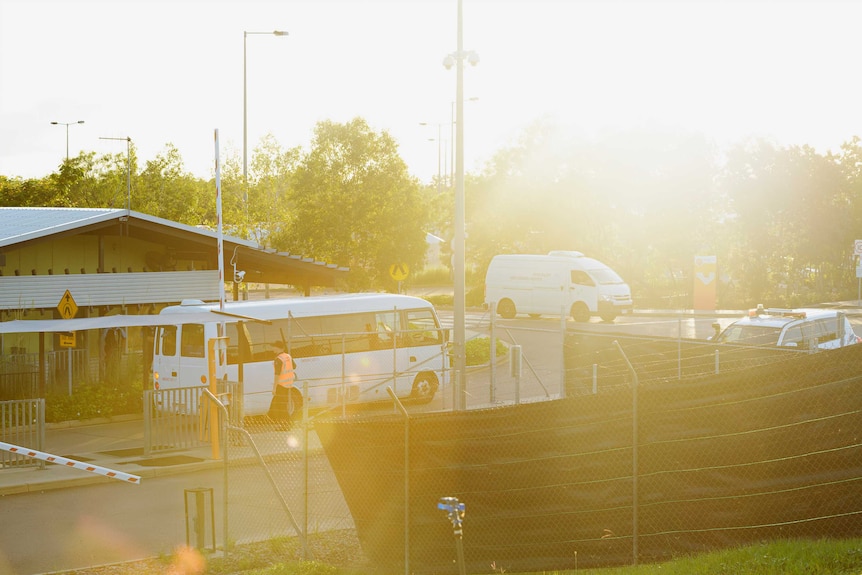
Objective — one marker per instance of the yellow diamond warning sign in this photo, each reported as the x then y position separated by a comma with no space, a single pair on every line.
67,306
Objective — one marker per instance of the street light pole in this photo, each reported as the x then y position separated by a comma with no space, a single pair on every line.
439,153
451,174
67,124
245,36
458,248
128,141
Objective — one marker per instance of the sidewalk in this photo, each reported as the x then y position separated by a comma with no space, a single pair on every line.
117,445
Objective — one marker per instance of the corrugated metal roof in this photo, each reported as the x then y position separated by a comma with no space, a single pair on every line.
35,292
20,225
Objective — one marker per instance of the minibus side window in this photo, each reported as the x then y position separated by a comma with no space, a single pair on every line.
581,278
193,340
423,329
238,343
169,340
387,326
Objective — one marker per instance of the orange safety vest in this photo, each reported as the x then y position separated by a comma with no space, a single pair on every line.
286,376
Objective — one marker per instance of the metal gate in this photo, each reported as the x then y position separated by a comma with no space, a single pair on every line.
174,420
22,423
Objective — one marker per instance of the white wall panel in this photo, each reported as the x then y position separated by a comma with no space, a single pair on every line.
45,291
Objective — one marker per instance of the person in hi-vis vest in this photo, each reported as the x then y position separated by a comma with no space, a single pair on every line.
286,400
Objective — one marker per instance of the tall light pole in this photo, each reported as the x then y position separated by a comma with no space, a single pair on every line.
245,36
459,336
128,141
67,124
451,176
439,155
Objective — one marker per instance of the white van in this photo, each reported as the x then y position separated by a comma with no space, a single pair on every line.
549,284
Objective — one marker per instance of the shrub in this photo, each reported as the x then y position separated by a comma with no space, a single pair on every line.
93,400
478,350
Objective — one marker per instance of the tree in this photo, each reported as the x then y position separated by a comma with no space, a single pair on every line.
166,190
641,201
270,180
353,203
793,219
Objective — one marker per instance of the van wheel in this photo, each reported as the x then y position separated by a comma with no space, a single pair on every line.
580,312
608,317
506,309
424,388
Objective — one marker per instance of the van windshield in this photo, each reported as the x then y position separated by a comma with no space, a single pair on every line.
606,276
750,335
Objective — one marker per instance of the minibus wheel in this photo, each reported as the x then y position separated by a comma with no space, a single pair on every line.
291,407
506,309
580,312
424,388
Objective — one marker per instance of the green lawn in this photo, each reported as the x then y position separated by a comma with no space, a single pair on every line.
337,554
842,557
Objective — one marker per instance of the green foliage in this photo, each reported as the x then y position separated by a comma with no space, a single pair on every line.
432,276
353,203
783,557
93,401
799,557
781,220
300,568
478,350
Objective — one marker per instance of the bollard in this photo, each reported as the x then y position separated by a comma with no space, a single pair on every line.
515,370
455,513
198,518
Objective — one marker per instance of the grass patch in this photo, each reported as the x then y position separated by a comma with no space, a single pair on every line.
339,553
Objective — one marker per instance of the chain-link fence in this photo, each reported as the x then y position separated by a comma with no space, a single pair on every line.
666,458
602,450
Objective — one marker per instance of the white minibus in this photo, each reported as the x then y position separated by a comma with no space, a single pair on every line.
348,348
561,282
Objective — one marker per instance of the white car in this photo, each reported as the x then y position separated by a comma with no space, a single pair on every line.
804,328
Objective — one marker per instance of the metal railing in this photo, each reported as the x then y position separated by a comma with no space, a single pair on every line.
174,420
22,423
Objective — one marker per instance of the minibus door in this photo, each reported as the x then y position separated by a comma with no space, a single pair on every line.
165,359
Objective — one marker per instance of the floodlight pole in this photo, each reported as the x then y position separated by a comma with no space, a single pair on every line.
128,141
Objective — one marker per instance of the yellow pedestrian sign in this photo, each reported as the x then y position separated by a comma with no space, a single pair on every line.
399,272
67,306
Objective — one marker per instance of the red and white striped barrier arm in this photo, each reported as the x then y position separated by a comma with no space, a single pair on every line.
119,475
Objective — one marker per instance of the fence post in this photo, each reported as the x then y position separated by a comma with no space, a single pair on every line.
401,408
149,398
492,308
305,554
563,352
515,370
634,454
679,348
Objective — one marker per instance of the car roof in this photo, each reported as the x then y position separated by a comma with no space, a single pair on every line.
780,318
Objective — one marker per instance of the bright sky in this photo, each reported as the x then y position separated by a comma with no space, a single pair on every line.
173,72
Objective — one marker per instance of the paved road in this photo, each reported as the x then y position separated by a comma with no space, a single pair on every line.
112,522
